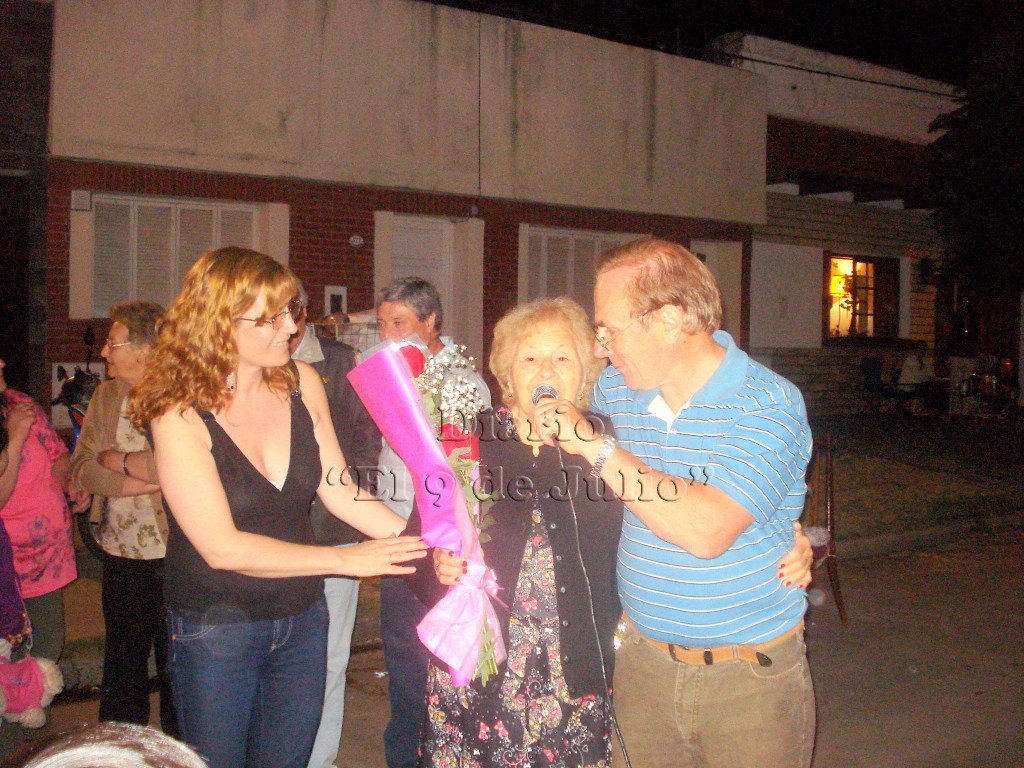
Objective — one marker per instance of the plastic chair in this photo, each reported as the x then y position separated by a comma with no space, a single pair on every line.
820,518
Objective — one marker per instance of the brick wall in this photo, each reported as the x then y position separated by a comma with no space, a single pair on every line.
323,216
829,378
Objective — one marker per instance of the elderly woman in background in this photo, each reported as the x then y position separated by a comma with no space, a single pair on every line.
114,462
553,550
34,483
243,440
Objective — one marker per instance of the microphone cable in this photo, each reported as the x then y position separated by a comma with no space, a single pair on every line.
546,390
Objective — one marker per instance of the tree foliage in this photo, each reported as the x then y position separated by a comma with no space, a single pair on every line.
977,173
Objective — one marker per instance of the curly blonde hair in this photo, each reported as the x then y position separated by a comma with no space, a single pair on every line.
195,350
538,314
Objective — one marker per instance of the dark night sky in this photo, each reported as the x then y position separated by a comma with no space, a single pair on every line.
932,38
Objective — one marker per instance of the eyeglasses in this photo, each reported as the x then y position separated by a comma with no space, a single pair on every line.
604,336
115,344
294,308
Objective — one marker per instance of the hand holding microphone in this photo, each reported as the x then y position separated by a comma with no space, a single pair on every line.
543,390
557,421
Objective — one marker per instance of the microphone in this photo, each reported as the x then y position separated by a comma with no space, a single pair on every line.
543,390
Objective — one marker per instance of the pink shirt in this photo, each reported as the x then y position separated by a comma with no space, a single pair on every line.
36,516
23,684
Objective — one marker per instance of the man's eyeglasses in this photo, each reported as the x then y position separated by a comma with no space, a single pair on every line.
115,344
293,308
604,336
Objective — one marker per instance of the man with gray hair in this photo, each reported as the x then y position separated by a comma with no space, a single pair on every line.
409,307
360,442
710,460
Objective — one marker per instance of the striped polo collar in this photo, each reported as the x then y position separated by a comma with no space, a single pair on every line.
726,379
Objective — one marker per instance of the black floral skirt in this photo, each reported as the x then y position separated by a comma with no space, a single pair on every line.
524,717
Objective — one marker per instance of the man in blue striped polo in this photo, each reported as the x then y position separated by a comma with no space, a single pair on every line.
710,461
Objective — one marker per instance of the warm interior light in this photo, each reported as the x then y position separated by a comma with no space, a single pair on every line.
838,285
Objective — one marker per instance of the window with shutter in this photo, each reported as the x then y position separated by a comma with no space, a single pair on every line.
111,281
195,233
143,246
561,262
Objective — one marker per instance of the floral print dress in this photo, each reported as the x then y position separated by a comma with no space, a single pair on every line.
524,717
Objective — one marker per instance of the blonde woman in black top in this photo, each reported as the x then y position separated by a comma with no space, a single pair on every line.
243,440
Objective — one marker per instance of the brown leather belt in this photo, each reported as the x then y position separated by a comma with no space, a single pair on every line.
755,654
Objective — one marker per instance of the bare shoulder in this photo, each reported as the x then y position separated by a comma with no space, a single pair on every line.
312,388
307,374
179,428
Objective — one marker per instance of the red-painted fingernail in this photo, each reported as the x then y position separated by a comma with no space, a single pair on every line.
450,553
787,583
458,579
465,569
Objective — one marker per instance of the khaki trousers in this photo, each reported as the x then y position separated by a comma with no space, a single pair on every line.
734,714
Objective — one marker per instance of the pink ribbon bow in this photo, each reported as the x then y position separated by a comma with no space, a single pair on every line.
453,629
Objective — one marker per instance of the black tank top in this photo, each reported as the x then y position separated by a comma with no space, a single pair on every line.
257,506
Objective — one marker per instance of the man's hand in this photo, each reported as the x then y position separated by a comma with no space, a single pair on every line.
559,421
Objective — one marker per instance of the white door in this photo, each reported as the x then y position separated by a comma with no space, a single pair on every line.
725,260
446,253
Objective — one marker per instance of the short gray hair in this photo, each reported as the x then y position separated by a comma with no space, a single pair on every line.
418,294
141,318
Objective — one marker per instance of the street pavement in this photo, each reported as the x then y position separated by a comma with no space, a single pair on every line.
928,673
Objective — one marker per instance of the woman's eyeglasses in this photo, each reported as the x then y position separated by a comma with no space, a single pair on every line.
293,308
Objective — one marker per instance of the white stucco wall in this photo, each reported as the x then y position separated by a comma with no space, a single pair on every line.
406,94
818,87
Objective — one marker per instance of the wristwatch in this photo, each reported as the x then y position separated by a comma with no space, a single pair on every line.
602,456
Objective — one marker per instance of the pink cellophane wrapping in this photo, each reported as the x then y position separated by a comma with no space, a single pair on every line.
453,629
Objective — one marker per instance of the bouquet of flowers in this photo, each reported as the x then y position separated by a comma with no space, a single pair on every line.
426,412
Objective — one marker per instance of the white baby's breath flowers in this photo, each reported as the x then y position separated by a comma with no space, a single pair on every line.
456,399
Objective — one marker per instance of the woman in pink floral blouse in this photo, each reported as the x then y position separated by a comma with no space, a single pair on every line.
38,521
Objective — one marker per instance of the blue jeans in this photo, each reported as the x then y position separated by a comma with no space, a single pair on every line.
249,694
406,660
